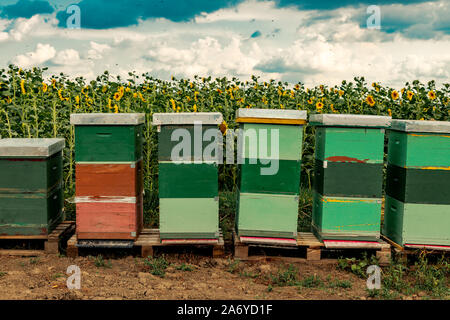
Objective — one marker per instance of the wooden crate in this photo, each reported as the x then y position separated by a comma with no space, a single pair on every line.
109,177
313,245
150,238
188,191
348,175
52,242
269,183
31,194
417,209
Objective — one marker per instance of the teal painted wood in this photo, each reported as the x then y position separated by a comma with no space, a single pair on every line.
286,180
342,144
267,215
413,223
406,149
363,180
178,180
188,218
168,132
30,175
103,143
30,214
289,143
346,218
412,185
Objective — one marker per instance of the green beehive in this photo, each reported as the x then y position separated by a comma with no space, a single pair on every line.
417,209
269,158
189,149
348,176
31,194
95,133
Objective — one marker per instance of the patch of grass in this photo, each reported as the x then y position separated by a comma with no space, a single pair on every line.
184,267
357,266
313,281
2,274
246,274
233,265
285,277
157,266
34,260
269,288
432,278
99,262
57,275
344,284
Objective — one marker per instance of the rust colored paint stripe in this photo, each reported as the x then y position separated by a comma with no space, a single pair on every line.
345,159
271,120
109,180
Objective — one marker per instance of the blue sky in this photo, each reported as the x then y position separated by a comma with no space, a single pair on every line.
291,40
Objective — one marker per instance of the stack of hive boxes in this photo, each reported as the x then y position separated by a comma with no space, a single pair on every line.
417,210
348,176
109,177
31,193
188,155
269,179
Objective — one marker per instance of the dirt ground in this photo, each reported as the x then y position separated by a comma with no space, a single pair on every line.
129,278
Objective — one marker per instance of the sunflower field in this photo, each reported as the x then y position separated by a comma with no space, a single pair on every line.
33,106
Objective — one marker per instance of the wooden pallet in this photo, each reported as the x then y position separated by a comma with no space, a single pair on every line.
402,252
148,239
52,242
304,239
383,248
314,246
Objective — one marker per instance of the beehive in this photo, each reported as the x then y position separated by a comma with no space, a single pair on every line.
188,177
348,175
417,209
108,173
268,198
31,194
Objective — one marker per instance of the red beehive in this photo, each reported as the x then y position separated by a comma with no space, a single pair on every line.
109,178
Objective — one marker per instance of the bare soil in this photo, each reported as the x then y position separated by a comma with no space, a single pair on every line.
129,278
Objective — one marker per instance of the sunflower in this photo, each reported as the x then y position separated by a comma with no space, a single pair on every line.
116,109
104,89
117,96
194,108
297,87
319,106
432,95
390,112
223,127
394,95
370,100
409,95
44,87
22,86
310,101
341,93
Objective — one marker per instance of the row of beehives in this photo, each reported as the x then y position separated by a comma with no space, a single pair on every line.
348,178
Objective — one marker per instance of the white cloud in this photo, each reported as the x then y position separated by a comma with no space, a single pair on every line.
314,47
67,57
43,53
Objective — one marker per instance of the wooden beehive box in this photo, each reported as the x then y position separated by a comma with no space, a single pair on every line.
109,176
269,183
31,194
188,185
348,175
418,183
